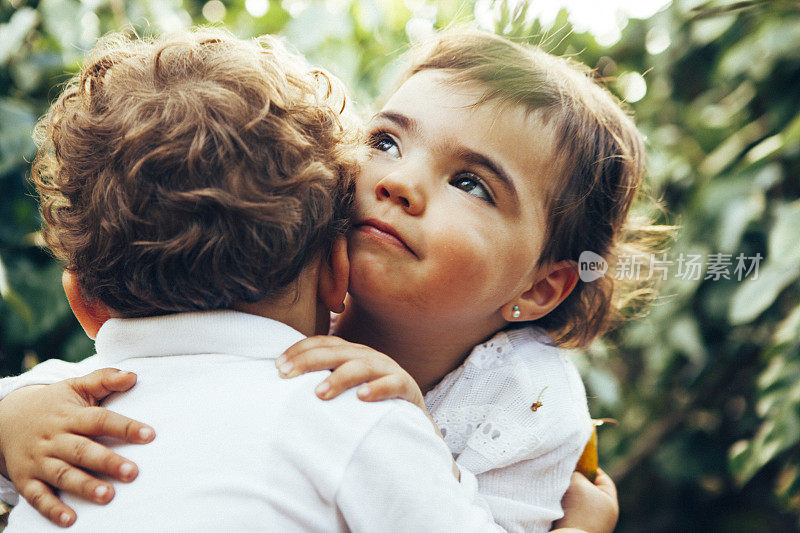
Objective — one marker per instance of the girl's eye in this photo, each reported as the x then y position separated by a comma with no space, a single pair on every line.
472,184
384,142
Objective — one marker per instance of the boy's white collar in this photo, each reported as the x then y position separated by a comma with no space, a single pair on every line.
209,332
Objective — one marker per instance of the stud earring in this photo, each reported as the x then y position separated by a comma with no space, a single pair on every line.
515,311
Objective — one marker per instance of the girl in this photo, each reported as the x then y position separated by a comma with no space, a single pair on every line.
492,168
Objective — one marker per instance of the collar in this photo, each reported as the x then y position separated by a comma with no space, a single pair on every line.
209,332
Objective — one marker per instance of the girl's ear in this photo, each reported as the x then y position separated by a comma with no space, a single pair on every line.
91,314
334,277
553,285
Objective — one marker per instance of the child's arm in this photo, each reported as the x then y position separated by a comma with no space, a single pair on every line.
43,433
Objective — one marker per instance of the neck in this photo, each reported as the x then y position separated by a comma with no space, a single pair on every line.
428,353
298,308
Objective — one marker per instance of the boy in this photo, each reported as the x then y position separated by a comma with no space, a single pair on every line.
197,189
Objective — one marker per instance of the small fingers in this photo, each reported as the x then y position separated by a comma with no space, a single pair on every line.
96,386
347,376
605,483
321,353
391,386
317,341
68,478
100,422
42,498
312,359
90,455
579,483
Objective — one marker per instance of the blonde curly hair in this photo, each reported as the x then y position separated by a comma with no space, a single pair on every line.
193,171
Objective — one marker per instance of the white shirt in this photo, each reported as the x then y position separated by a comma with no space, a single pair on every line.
522,453
239,449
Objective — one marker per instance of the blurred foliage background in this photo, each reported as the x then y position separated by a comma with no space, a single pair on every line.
707,387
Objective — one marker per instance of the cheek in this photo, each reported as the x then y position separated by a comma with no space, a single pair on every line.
373,276
489,267
465,274
472,272
460,265
368,175
385,285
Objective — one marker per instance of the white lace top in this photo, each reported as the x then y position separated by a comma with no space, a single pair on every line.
515,415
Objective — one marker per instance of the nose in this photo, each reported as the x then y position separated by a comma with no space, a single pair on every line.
402,190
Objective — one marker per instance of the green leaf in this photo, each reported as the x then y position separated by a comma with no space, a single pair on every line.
61,20
13,33
733,147
12,299
40,288
782,247
77,347
781,268
709,29
167,16
789,328
781,431
603,385
779,408
755,54
735,219
755,295
16,125
781,142
789,484
684,335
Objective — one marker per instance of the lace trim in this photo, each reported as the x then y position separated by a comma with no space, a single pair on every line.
486,430
491,354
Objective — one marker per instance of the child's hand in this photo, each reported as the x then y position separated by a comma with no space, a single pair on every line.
42,442
590,507
352,365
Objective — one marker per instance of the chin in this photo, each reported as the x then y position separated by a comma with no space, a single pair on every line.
370,272
376,292
366,283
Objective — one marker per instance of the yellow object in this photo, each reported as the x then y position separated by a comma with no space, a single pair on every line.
588,462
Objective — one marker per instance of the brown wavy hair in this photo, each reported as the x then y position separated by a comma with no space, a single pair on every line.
601,166
193,171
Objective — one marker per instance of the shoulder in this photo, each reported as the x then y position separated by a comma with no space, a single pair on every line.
320,438
516,397
342,423
48,372
546,365
356,439
558,406
516,367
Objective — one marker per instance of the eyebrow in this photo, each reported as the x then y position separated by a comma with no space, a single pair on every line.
475,158
470,156
403,121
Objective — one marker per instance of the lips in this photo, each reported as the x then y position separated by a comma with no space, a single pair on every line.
380,231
